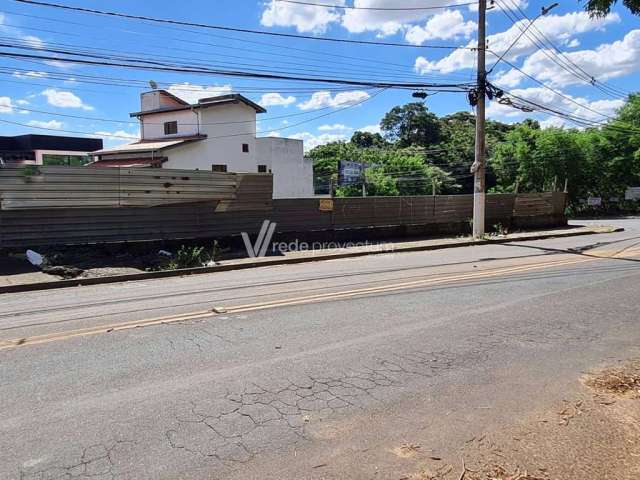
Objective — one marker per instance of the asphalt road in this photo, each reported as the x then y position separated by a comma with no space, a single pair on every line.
307,371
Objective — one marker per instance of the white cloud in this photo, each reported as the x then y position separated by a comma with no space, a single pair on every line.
60,64
306,18
444,26
553,122
610,60
385,22
573,43
275,99
317,19
498,6
33,41
324,99
30,74
51,124
577,106
118,133
370,129
6,106
310,140
557,28
192,93
333,128
116,138
510,78
22,102
60,98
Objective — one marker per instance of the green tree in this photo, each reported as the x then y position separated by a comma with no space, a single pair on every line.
601,161
411,124
601,8
614,151
367,140
393,173
512,159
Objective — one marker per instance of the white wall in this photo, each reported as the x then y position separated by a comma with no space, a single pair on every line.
233,125
292,173
152,125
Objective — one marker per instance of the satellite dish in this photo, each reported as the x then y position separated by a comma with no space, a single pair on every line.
153,85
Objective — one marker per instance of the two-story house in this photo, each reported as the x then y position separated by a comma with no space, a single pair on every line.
216,134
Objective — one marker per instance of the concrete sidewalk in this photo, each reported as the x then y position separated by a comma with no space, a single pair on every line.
40,281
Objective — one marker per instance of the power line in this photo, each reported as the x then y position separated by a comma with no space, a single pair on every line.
558,57
544,85
133,122
565,58
393,9
306,59
29,74
543,12
581,121
288,48
93,134
73,49
99,60
231,29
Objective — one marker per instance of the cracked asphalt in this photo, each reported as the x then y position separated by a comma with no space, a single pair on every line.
316,390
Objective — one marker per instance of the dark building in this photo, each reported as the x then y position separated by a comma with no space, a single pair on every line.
47,150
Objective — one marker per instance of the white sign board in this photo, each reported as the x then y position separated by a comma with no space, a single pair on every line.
632,193
594,201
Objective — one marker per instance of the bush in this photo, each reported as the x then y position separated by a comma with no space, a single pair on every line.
193,256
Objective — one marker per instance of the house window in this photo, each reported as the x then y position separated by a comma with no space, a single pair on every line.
66,160
262,169
245,148
170,128
218,168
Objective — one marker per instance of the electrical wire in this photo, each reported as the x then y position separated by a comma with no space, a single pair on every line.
100,60
558,57
110,54
288,48
560,94
578,120
565,58
75,77
516,40
393,9
208,137
135,122
306,67
230,29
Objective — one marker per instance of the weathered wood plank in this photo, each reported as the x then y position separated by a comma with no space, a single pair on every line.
81,187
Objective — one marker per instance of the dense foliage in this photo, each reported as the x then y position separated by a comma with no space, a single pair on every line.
418,153
601,8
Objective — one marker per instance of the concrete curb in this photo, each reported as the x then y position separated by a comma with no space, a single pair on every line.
270,261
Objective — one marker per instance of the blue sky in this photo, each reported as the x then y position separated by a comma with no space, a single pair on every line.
80,98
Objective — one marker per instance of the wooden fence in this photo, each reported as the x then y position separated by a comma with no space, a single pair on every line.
58,187
302,218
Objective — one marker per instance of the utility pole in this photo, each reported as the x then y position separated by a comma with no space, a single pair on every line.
478,167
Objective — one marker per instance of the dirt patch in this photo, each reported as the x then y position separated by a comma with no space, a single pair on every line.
623,380
406,450
103,260
594,436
